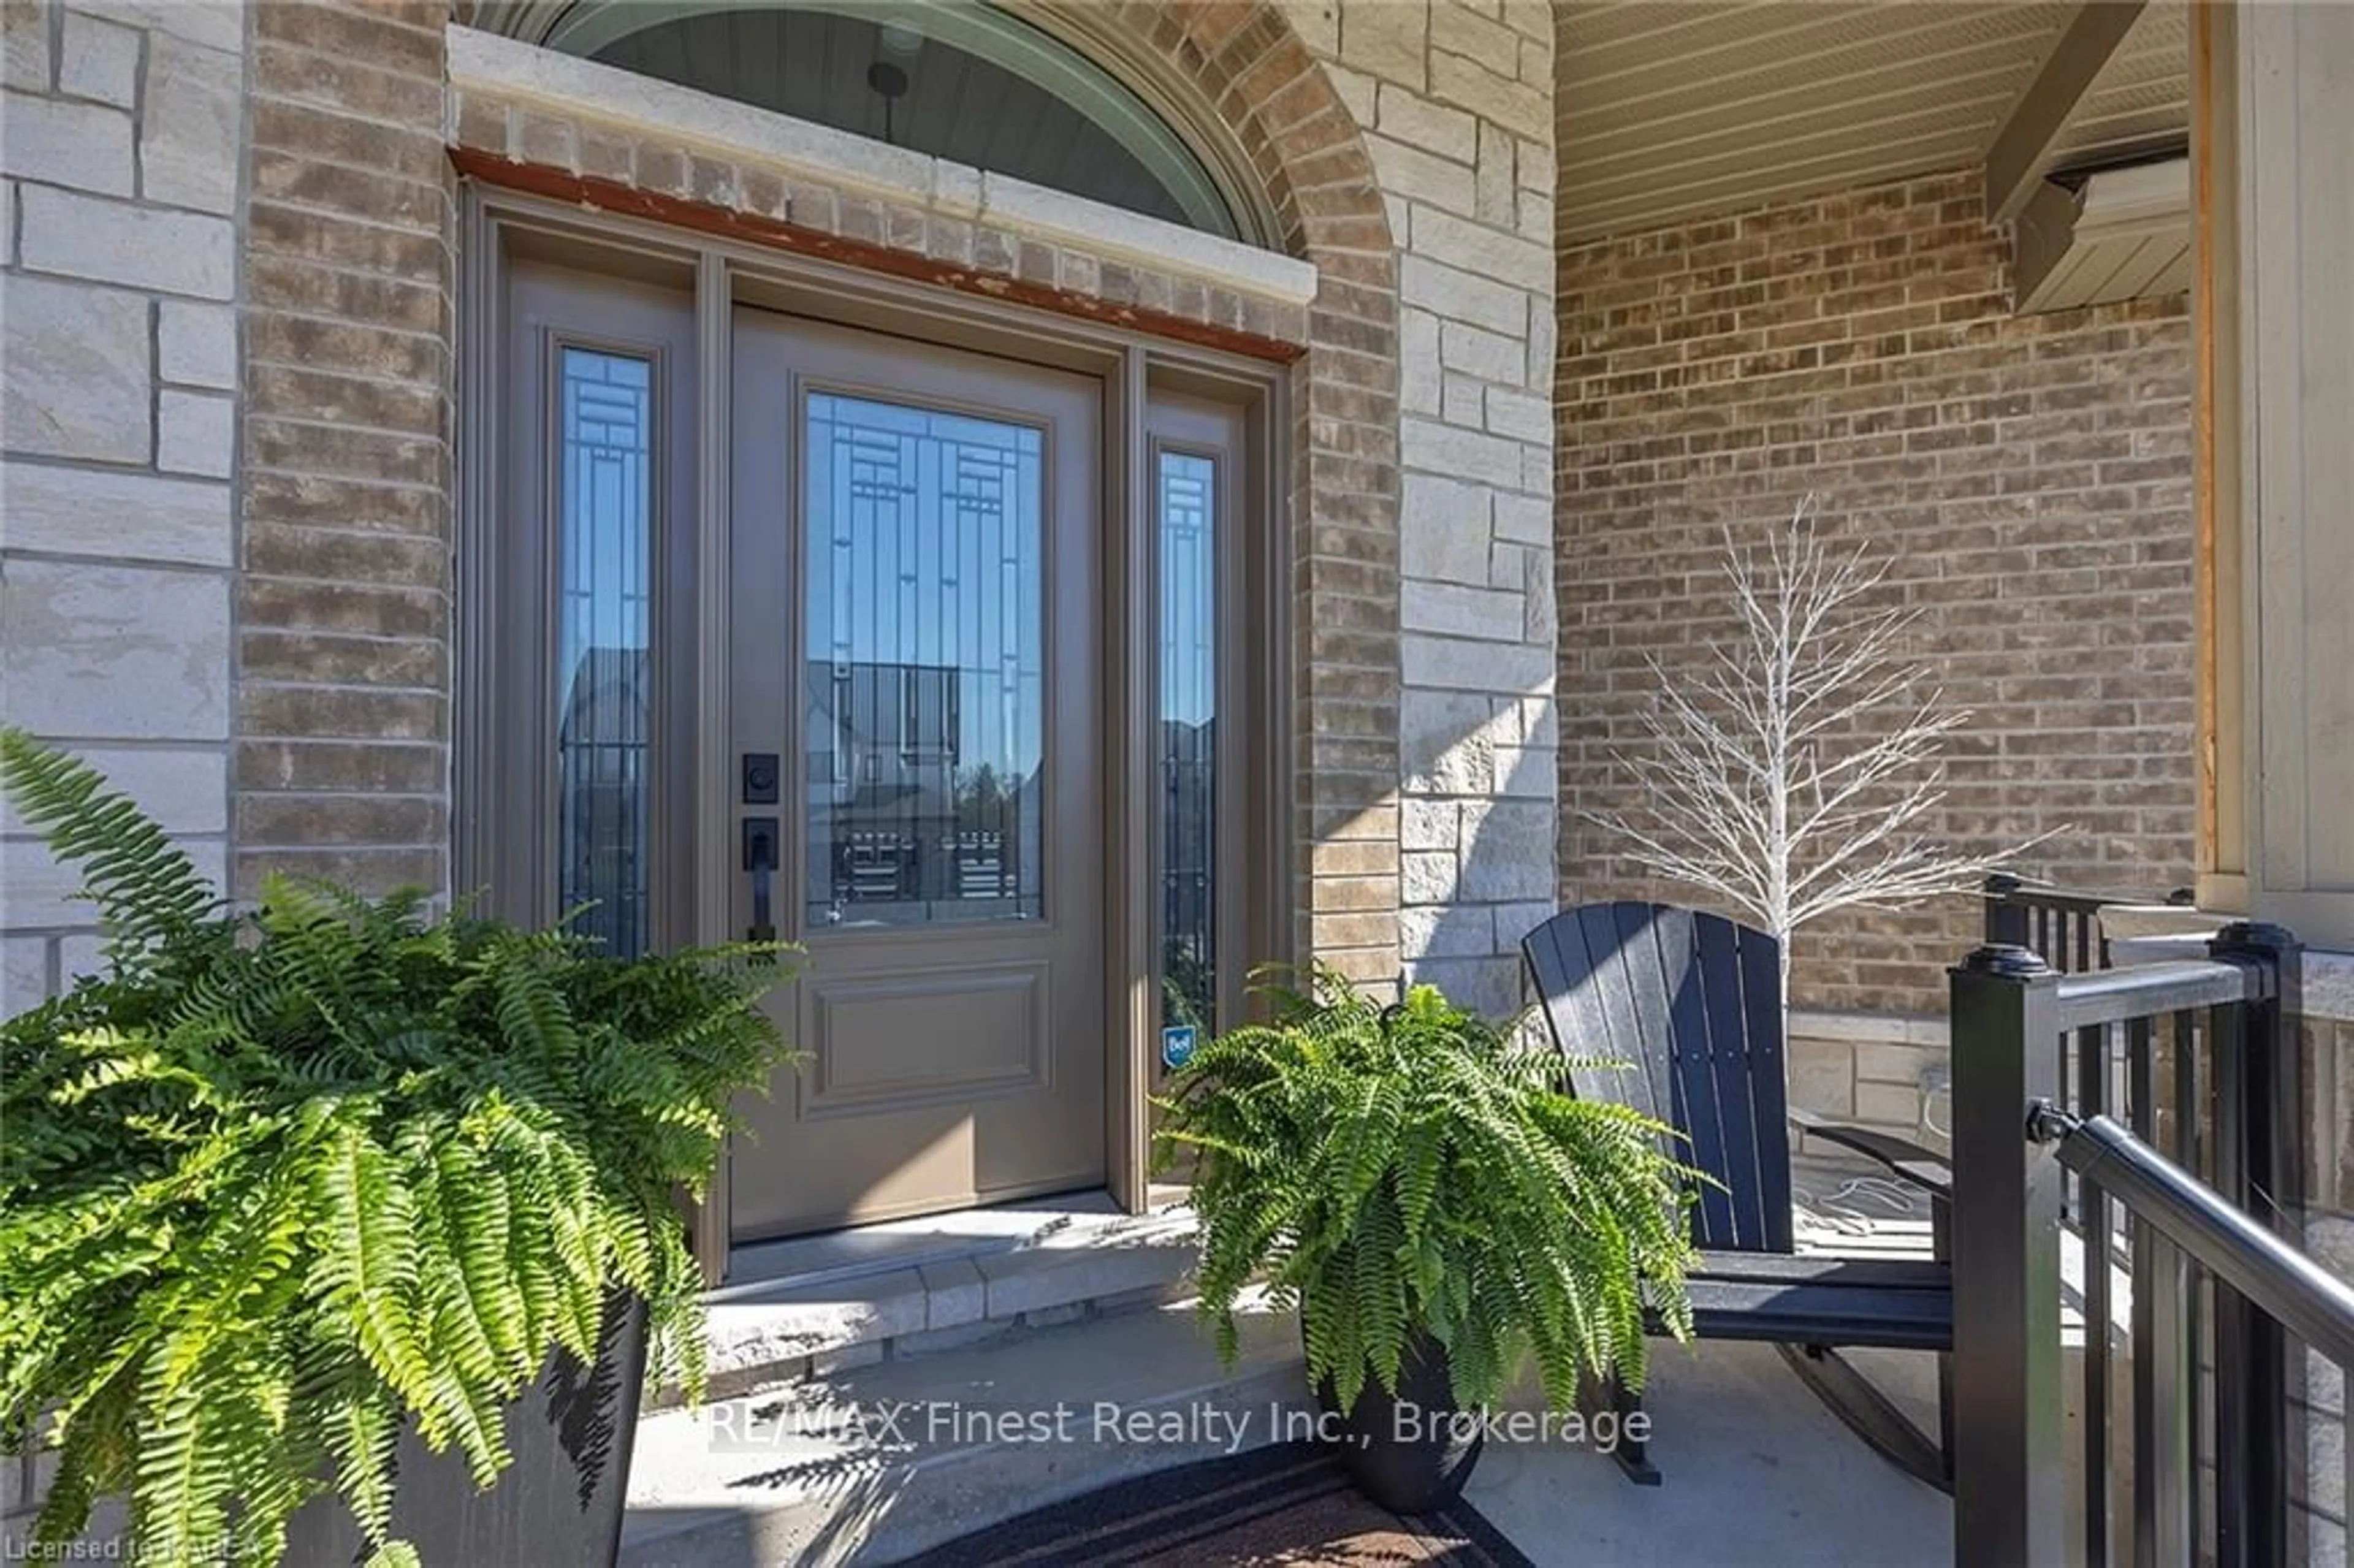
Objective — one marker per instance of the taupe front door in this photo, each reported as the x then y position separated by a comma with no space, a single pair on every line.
916,647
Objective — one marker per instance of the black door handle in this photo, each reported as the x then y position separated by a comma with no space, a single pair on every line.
760,860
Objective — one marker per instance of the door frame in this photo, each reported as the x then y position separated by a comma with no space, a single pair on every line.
1256,839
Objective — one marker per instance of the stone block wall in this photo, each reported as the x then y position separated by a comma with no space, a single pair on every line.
1454,101
120,179
1887,1072
2029,477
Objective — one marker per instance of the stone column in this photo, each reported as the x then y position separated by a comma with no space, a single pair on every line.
121,130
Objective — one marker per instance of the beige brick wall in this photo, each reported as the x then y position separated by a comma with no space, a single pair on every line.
344,593
2029,475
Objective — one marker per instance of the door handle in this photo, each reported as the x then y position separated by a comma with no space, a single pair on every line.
760,860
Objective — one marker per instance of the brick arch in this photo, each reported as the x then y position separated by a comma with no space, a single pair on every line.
1251,79
1257,102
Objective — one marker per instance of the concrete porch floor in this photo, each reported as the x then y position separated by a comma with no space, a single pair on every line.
856,1469
1757,1473
877,1461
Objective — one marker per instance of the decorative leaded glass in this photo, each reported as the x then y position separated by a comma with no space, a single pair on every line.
604,547
926,665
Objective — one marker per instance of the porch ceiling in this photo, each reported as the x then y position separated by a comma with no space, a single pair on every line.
1674,110
2141,100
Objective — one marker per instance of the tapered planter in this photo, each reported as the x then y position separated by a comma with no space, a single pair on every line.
558,1505
1411,1452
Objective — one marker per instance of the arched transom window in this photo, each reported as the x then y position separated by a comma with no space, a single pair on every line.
955,78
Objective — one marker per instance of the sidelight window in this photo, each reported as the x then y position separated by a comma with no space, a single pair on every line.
604,508
1187,538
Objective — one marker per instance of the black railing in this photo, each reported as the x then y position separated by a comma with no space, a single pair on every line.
2168,1090
2062,928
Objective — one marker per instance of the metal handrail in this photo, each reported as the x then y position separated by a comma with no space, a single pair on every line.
2207,1052
2061,924
2288,1286
2144,991
2005,887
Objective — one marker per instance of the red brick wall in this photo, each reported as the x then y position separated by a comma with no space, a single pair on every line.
2030,475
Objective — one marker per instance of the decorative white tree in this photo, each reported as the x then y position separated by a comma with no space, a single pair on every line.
1794,774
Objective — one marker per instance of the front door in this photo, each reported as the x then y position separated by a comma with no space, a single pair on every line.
915,695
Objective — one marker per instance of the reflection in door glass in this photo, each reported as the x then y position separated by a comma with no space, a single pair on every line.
604,501
1188,531
926,667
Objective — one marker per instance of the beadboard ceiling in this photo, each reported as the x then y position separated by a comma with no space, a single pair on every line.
1668,109
812,65
2141,102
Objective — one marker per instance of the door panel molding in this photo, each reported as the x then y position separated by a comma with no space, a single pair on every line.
1023,987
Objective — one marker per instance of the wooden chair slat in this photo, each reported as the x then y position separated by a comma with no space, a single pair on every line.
1839,1315
1717,948
1761,1002
1720,1219
1603,990
1826,1268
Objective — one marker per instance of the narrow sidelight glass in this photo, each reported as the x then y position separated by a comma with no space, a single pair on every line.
926,665
604,495
1187,489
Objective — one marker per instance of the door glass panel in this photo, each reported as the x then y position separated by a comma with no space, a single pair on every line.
1188,661
926,665
604,505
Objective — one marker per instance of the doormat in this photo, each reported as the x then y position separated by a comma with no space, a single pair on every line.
1289,1503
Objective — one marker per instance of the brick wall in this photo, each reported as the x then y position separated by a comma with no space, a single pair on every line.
344,597
2029,475
118,141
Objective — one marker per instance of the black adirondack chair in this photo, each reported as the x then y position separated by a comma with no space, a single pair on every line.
1691,1002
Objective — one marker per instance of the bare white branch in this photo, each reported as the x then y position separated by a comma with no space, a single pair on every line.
1794,773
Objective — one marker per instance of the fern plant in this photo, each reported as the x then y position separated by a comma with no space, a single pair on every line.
1400,1170
284,1181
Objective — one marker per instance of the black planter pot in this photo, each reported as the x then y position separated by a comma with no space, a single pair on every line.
1410,1452
558,1505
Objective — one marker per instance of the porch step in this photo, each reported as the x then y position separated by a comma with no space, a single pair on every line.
884,1462
1053,1266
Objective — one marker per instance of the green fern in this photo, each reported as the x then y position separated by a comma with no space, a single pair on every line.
1404,1170
282,1182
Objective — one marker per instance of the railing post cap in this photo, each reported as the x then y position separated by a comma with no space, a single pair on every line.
2008,960
2251,935
2003,882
